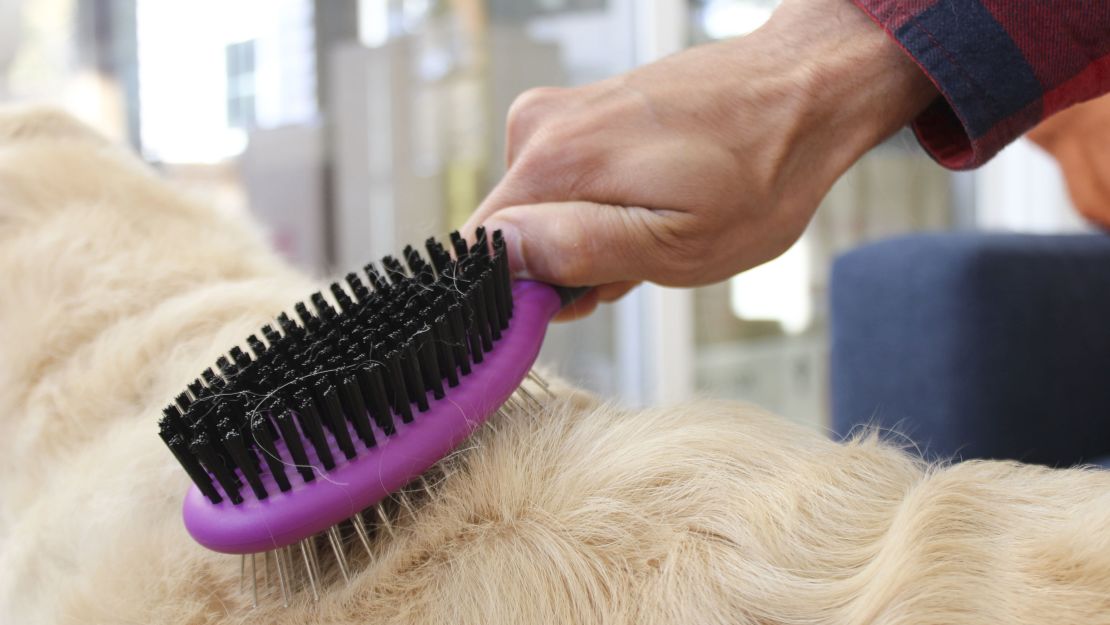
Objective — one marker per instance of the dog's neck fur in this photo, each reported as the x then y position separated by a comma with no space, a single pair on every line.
115,291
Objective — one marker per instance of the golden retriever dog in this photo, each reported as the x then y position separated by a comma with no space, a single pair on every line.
115,290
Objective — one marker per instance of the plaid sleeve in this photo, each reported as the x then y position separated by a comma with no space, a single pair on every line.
1001,65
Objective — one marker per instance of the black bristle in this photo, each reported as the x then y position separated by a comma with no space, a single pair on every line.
481,315
307,318
341,298
350,397
459,337
501,263
474,331
205,450
262,433
372,382
323,307
425,346
376,280
414,378
426,276
173,421
226,367
271,334
492,311
398,390
233,443
394,270
353,362
413,260
461,250
313,427
481,243
327,398
294,443
183,401
437,254
288,326
477,297
257,346
188,461
240,357
447,365
197,389
361,293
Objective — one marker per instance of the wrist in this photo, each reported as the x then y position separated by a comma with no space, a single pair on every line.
856,85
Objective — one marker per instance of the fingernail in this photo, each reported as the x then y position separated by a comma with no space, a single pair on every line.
514,246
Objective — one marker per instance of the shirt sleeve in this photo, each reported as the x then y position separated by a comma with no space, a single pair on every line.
1001,66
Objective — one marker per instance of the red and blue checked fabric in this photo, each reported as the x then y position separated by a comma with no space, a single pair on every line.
1001,65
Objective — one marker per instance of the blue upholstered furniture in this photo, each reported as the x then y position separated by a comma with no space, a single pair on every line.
977,345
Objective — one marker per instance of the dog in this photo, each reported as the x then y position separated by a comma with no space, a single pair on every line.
116,290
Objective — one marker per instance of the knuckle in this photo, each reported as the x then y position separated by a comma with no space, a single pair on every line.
526,108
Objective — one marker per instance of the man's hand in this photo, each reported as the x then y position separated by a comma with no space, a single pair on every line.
709,162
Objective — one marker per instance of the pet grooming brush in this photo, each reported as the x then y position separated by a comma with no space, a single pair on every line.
297,445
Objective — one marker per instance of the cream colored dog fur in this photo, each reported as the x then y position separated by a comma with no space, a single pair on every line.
115,291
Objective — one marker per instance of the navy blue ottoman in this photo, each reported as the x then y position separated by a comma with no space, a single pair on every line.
976,345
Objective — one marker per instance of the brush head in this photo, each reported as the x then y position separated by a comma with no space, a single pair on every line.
337,407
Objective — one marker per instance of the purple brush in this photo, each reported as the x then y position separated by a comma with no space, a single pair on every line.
299,440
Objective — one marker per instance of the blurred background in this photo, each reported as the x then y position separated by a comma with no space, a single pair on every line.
352,127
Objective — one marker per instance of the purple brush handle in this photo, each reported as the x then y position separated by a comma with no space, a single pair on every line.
285,518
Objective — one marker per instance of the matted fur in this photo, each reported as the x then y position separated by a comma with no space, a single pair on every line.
115,290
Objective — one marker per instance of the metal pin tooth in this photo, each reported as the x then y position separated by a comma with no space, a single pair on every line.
291,566
542,383
242,572
521,400
385,521
309,571
530,397
537,378
404,501
314,556
266,571
337,548
363,535
291,555
281,578
254,583
427,487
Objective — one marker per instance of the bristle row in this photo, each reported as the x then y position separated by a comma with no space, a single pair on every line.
330,380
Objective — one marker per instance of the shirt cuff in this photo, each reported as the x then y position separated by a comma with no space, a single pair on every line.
990,95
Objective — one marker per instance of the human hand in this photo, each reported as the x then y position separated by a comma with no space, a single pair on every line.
709,162
1079,138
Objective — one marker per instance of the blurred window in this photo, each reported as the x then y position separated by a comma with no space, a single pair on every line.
241,85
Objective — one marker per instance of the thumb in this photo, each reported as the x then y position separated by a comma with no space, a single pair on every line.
577,243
